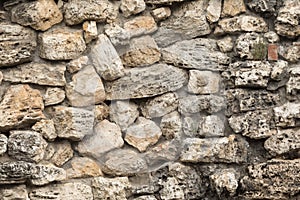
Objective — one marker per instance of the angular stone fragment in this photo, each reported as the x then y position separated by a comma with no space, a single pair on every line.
285,141
287,115
293,52
203,82
275,179
293,84
83,167
132,7
272,37
198,53
117,35
86,88
279,70
61,44
17,44
72,123
171,126
141,25
106,136
124,162
211,126
21,106
146,82
263,6
225,44
63,153
146,197
106,59
46,128
37,73
162,1
78,11
111,188
214,10
123,113
54,96
3,144
161,13
160,105
90,31
101,112
142,51
225,181
14,192
233,7
142,134
39,15
231,149
75,191
77,64
171,190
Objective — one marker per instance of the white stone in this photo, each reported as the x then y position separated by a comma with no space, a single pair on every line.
203,82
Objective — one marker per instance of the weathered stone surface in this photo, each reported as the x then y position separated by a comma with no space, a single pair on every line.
214,10
101,112
83,167
279,70
287,115
140,25
72,123
225,181
171,190
61,44
285,141
145,197
63,153
275,179
132,7
142,51
146,82
106,59
123,113
203,82
190,125
293,84
3,144
14,192
255,124
40,15
211,126
233,7
124,162
161,13
225,44
292,53
160,105
77,64
77,11
111,188
46,128
37,73
26,145
86,88
75,191
198,53
162,1
231,149
171,126
117,35
287,22
267,7
90,31
54,96
21,105
17,44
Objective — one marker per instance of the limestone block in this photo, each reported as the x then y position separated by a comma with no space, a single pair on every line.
46,128
63,153
83,167
263,6
203,82
140,25
171,190
132,7
90,31
171,126
225,44
293,84
54,96
161,13
117,35
225,181
43,174
101,112
214,10
211,126
293,52
77,64
3,144
279,70
146,197
272,36
233,7
162,1
14,192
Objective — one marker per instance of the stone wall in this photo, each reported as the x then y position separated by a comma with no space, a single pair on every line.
149,99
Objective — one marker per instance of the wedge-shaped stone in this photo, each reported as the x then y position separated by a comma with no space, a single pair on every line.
198,53
287,115
231,149
72,123
37,73
17,44
146,82
40,15
21,106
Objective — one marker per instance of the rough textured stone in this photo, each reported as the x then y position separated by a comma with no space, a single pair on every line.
124,162
231,149
293,84
142,51
272,37
214,10
225,44
146,82
54,96
63,153
83,167
170,125
117,35
111,188
267,7
225,181
75,191
146,197
132,7
287,115
254,124
101,112
106,59
211,126
198,53
285,141
37,73
142,134
3,144
86,88
46,128
292,53
140,25
106,136
21,105
162,1
233,7
14,192
160,105
171,190
61,44
90,31
203,82
161,13
40,15
123,113
77,11
72,123
26,146
279,70
17,44
77,64
275,179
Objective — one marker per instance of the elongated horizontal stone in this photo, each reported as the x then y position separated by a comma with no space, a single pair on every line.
146,82
14,192
162,1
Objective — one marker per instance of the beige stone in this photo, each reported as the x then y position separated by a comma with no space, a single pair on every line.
46,128
54,95
77,64
203,82
225,44
117,35
3,144
212,126
90,31
170,125
140,25
287,114
63,153
101,112
233,7
83,167
293,84
11,192
225,180
214,10
171,189
161,13
132,7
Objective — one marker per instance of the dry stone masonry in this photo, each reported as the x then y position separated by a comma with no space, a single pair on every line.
149,99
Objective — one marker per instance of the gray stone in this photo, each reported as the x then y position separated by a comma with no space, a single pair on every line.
160,105
132,7
225,181
37,73
61,44
200,53
14,192
40,15
225,44
146,82
140,25
117,35
63,153
3,144
287,114
145,197
190,125
106,59
17,44
271,36
214,10
77,64
231,149
161,13
43,174
162,1
72,123
293,84
171,126
263,6
203,82
54,96
211,126
46,128
106,136
83,167
86,88
90,31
